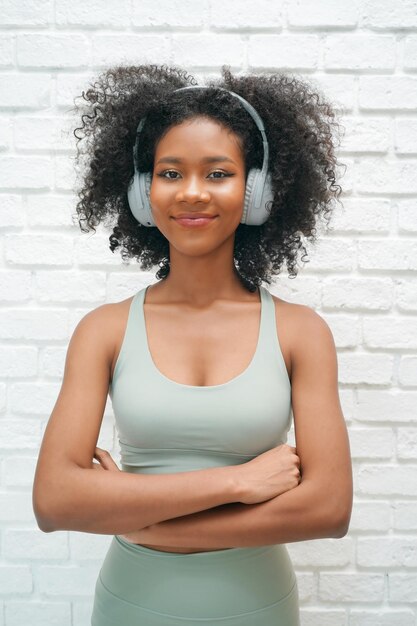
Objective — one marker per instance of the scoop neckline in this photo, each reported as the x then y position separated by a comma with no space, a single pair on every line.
206,387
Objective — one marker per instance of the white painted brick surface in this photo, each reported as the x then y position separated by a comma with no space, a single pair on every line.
38,613
361,277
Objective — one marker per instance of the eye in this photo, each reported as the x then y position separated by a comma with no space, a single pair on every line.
163,174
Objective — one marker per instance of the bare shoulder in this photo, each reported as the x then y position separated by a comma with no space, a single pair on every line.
298,328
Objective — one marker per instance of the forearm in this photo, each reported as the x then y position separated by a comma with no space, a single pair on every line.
296,515
104,502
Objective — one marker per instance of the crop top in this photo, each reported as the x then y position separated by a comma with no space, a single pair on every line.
165,427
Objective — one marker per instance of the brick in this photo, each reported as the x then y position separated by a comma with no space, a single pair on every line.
324,13
66,580
410,53
345,329
332,255
402,587
407,218
392,254
340,90
360,52
50,210
18,361
81,612
33,398
387,92
26,13
5,137
406,295
16,507
407,373
382,14
387,176
15,285
322,552
405,136
15,579
53,361
390,332
95,251
113,49
317,617
306,586
370,134
34,545
19,433
374,515
407,443
85,546
38,249
371,369
187,14
19,471
95,13
122,285
38,613
35,324
32,172
378,405
379,618
11,212
388,480
208,49
405,515
358,293
70,286
43,133
65,174
6,51
283,51
53,50
2,397
25,91
386,552
371,443
234,14
334,587
68,87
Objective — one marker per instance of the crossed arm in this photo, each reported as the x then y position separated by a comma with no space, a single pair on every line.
320,506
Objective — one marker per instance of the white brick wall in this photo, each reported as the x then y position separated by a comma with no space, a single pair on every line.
361,278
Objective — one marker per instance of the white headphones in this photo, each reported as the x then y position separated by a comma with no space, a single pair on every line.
258,191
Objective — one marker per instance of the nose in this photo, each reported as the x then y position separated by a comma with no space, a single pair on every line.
192,190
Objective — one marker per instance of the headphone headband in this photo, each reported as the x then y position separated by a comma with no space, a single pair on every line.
258,193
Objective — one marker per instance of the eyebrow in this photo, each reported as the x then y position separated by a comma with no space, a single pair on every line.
209,159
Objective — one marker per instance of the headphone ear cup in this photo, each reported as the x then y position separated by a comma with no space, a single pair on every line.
145,181
138,194
255,212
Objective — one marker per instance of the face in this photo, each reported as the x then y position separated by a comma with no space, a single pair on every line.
198,168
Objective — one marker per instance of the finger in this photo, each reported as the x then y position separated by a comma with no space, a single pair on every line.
105,459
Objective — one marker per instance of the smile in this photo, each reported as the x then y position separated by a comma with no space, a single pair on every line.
195,222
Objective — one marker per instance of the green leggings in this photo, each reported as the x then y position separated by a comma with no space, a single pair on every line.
139,586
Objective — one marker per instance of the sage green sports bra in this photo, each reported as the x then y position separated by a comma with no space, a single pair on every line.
166,427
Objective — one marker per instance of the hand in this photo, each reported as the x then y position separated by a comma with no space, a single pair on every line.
105,461
269,474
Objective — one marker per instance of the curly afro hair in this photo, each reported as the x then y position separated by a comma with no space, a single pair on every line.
300,127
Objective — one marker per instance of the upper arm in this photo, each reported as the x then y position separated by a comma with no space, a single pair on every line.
320,432
73,427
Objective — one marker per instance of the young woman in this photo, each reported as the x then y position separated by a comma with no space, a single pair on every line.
205,367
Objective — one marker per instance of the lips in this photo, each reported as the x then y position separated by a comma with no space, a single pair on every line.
193,216
195,222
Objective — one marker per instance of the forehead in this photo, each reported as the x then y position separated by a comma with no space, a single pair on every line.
200,135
